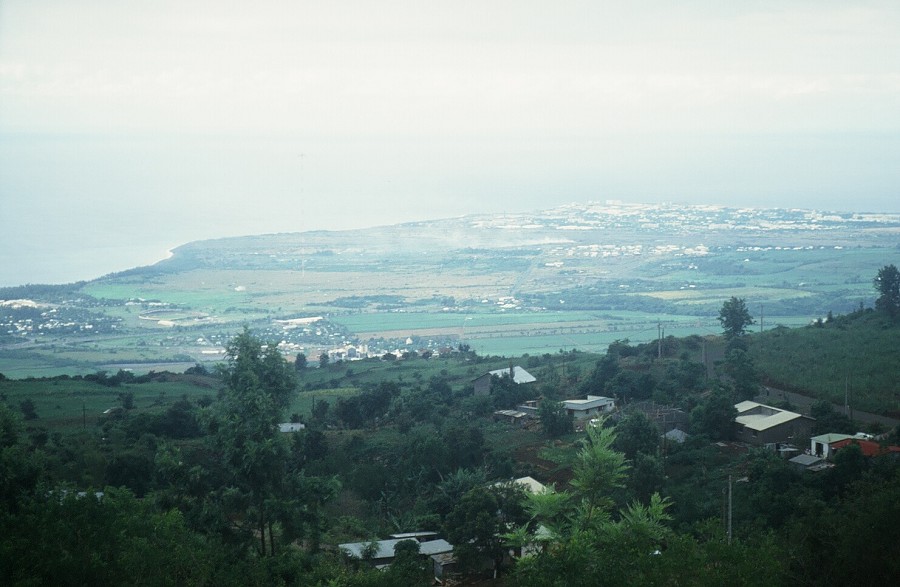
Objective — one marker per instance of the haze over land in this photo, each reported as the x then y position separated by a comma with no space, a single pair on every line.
575,276
128,129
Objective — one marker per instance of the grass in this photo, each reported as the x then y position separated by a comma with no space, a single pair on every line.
65,405
856,353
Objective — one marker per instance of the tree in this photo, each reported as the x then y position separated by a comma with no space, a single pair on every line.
605,369
323,360
647,477
598,470
476,524
828,420
887,282
300,363
28,410
555,420
636,434
258,384
734,317
715,414
739,366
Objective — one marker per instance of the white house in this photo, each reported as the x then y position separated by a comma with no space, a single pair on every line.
582,409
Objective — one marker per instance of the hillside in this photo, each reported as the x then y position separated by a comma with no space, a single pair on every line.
852,357
404,444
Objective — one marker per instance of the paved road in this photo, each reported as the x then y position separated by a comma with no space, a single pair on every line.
804,402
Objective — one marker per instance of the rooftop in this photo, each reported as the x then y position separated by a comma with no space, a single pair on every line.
520,375
760,417
869,448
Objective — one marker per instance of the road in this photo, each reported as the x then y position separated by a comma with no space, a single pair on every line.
804,402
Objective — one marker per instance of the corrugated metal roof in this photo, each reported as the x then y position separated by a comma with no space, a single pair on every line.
756,416
385,548
830,437
805,460
432,547
520,375
763,422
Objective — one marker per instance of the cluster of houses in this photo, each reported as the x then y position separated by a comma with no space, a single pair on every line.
580,409
786,431
756,424
381,553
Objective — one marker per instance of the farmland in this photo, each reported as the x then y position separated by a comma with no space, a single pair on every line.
579,276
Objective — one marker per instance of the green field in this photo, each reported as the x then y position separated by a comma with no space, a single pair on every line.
64,405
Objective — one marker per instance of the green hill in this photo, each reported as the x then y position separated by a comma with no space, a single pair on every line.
856,353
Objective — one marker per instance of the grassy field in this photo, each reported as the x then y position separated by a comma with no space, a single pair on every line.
65,405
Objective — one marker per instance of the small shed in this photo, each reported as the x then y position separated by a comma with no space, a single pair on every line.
821,445
512,416
805,462
443,565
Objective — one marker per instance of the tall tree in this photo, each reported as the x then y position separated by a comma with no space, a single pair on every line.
599,469
258,384
477,523
887,282
734,317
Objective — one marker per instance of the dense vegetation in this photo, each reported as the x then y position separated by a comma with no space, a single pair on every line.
199,487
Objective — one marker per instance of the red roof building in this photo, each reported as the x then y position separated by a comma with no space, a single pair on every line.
868,447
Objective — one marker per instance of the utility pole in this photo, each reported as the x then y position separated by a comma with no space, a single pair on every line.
658,339
847,395
705,364
729,510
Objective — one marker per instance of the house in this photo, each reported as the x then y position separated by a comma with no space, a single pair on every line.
869,448
761,424
381,552
594,405
482,384
821,445
535,487
579,409
291,427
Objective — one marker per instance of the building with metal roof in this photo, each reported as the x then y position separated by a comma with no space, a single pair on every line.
761,424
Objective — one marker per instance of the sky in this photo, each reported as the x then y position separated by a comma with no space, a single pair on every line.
128,128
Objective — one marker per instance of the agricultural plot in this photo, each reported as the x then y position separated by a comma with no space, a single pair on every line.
577,277
65,405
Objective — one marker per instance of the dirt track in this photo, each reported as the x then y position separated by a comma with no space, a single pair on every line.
803,402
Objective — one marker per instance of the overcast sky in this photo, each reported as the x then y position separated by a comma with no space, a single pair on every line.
128,127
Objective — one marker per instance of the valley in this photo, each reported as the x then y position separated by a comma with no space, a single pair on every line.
574,277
